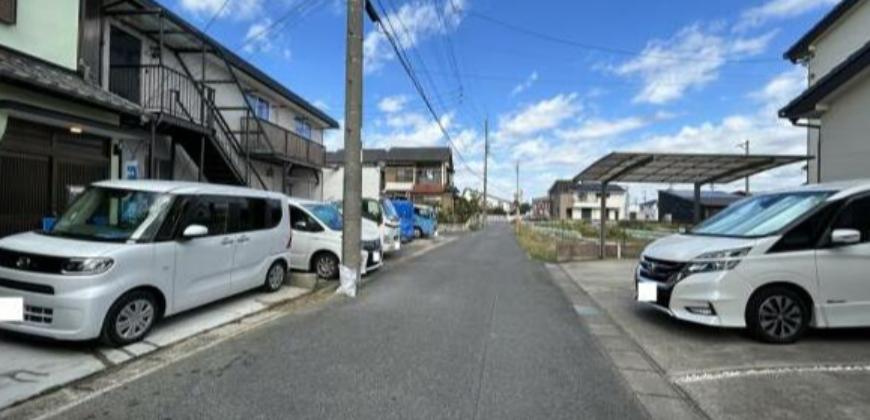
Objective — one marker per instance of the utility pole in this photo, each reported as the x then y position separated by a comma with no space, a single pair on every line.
352,203
485,164
745,147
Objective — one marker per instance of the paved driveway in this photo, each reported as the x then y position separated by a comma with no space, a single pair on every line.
826,375
471,330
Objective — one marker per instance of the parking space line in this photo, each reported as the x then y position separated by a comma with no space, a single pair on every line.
787,370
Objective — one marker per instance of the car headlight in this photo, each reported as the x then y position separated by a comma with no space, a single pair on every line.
715,261
87,266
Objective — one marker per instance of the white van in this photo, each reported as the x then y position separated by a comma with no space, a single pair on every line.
775,263
127,253
317,232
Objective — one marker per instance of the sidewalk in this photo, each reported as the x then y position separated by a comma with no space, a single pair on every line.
32,366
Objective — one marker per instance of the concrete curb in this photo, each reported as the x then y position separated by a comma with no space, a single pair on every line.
661,398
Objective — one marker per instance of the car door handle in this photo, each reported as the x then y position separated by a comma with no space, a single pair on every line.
243,239
227,241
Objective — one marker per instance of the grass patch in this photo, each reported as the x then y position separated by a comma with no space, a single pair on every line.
538,246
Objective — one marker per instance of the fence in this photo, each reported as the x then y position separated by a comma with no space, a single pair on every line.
579,240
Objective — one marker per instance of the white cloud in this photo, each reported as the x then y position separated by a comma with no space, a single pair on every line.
412,23
688,61
597,128
287,53
393,104
779,9
257,39
321,105
535,118
238,9
526,84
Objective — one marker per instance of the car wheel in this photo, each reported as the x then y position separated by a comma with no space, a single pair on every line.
778,315
418,233
275,278
326,265
130,319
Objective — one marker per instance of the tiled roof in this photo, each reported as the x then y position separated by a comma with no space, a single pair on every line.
19,68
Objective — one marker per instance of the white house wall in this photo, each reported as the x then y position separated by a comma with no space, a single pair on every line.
333,183
840,41
845,149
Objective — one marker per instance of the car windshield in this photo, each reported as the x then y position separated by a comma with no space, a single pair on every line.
762,215
327,214
389,210
113,215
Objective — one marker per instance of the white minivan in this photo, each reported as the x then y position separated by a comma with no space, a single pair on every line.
128,253
317,234
776,264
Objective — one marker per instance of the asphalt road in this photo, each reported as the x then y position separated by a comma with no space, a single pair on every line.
472,330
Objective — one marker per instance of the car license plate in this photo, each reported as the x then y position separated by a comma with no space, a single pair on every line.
376,257
647,292
11,309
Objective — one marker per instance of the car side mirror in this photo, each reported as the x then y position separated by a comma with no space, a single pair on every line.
194,231
845,237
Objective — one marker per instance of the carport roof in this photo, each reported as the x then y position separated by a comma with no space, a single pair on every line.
681,168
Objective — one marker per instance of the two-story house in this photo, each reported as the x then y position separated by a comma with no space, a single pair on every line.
128,89
570,201
587,202
834,107
421,174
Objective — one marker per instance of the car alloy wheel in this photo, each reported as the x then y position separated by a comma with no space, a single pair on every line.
275,277
326,266
135,319
780,317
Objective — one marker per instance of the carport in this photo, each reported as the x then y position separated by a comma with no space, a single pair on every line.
676,168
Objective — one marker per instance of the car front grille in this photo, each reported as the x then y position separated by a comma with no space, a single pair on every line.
38,315
31,262
659,271
371,246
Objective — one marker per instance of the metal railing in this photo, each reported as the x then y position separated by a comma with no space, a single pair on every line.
277,140
162,89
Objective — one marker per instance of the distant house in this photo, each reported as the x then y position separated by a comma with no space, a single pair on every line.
561,196
421,174
679,206
570,201
541,208
587,202
648,210
836,53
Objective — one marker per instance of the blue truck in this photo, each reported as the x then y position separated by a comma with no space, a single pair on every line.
425,221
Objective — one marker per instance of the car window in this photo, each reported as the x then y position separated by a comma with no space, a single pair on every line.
855,215
213,213
807,234
299,217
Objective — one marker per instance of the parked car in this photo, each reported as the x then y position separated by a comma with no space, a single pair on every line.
128,253
382,213
425,221
317,235
405,210
775,264
391,227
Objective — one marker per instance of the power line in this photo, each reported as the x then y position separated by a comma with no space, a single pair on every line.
608,49
302,8
415,81
214,17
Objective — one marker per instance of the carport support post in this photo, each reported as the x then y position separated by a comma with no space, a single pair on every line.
697,203
603,217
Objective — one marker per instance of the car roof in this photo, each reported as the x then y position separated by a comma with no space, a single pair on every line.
839,188
183,187
303,201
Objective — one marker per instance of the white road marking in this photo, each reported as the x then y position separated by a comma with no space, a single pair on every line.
743,373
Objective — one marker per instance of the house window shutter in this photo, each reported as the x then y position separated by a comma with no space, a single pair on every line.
8,11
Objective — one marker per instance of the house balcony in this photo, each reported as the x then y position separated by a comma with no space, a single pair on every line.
272,143
163,90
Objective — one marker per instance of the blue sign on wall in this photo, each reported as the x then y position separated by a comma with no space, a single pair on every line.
131,170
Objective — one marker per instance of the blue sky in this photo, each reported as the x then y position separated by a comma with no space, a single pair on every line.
562,82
